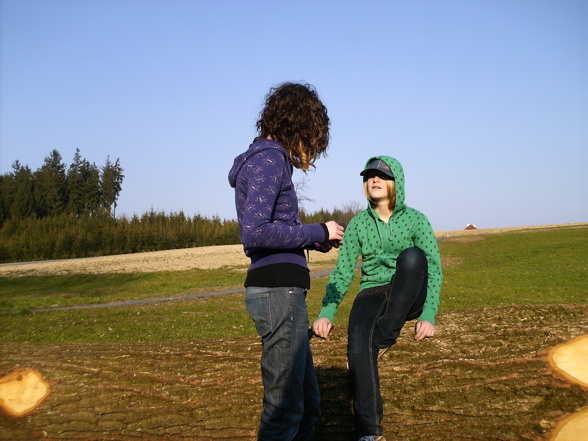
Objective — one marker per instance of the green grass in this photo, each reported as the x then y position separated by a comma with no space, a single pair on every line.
22,293
518,268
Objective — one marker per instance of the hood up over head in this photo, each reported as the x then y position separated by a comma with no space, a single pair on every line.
389,166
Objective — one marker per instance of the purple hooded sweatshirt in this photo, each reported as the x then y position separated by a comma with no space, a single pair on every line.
267,207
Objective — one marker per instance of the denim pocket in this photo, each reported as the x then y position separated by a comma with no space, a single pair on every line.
258,306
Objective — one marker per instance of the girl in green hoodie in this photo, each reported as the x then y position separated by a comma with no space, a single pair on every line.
400,281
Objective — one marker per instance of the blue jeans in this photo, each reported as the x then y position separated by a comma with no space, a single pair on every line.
291,401
377,316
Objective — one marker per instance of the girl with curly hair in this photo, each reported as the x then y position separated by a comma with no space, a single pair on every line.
293,132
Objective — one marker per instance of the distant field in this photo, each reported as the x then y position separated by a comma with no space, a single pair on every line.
531,266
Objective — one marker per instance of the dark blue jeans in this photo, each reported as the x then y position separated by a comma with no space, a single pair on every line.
377,316
291,401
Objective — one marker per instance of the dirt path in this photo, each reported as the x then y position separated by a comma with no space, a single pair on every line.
169,260
485,377
190,258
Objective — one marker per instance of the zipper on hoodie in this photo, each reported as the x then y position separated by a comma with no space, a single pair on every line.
383,233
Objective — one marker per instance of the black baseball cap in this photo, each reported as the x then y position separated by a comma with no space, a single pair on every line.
379,165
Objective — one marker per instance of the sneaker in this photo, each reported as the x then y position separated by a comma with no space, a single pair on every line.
372,438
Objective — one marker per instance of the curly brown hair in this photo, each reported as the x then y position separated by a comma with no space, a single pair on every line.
295,117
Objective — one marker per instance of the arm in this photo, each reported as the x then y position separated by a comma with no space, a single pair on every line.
427,242
342,275
336,288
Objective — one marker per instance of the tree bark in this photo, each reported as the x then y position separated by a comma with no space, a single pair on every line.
483,377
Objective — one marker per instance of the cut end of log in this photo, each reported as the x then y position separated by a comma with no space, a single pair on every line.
22,391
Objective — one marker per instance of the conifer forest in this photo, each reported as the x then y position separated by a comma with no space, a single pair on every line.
61,212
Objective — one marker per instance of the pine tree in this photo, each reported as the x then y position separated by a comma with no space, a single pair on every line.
51,186
74,185
90,187
5,182
23,204
111,184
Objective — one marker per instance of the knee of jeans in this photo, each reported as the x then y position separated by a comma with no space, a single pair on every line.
412,259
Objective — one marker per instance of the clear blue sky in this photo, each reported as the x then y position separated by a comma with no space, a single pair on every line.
485,103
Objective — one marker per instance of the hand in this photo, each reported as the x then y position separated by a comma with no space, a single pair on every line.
335,233
423,329
323,248
335,243
322,327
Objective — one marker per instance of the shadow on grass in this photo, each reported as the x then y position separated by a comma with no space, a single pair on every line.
336,423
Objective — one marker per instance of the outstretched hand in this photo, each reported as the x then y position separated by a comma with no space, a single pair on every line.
423,329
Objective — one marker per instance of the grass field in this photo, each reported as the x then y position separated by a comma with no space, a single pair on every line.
513,268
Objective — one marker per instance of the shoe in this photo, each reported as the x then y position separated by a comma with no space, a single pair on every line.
372,438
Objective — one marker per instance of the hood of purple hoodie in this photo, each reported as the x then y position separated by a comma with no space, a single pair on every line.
256,147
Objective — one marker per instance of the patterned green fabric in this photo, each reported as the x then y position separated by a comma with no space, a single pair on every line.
379,243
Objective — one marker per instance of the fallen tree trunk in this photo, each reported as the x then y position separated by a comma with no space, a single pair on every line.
484,377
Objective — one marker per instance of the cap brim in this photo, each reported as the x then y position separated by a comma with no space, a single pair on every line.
386,172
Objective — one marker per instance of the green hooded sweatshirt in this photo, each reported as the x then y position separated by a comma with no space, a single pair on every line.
379,243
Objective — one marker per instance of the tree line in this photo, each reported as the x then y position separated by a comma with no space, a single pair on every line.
82,189
58,212
66,236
